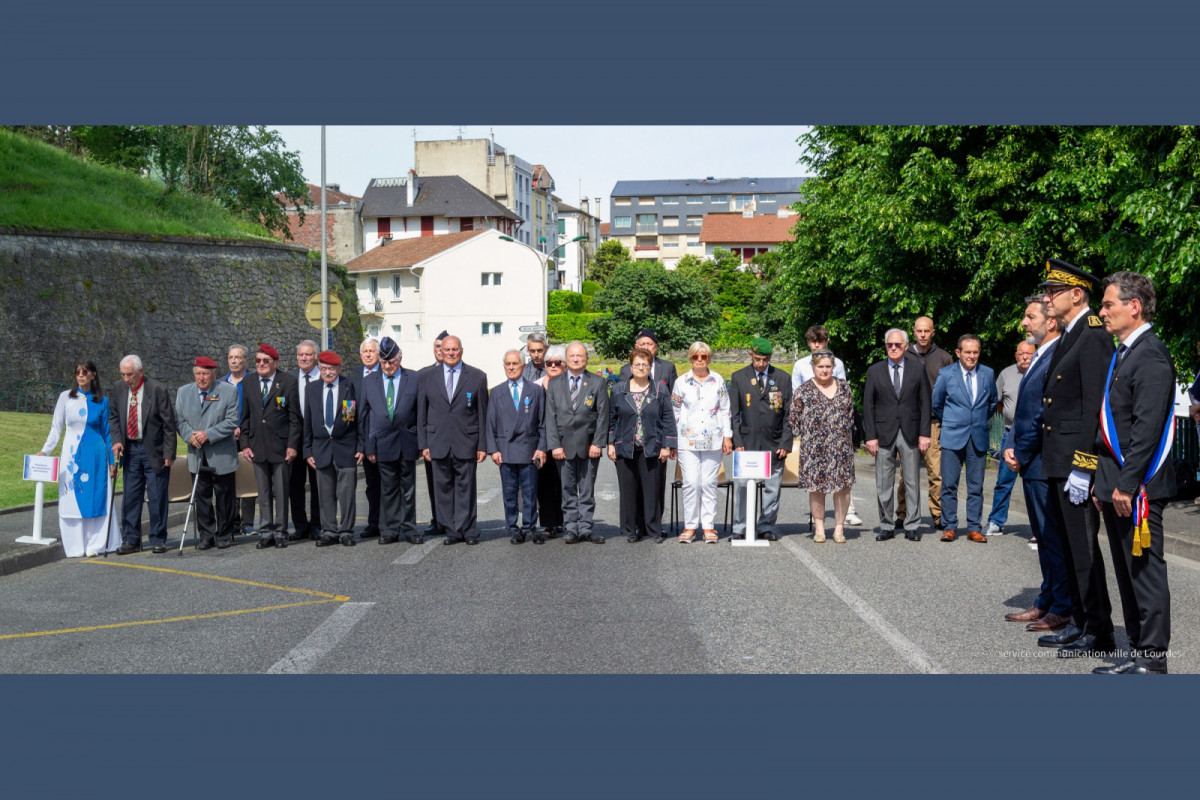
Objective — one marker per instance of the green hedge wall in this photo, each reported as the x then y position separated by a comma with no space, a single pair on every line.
560,301
563,328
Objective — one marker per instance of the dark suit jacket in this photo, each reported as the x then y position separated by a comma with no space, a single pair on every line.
389,439
270,429
963,420
760,418
336,448
158,425
456,427
516,433
658,420
576,429
1142,397
664,372
884,416
1025,436
1073,394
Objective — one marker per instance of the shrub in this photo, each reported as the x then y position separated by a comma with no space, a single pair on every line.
589,288
561,328
561,301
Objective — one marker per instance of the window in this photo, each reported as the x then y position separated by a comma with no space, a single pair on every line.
694,220
695,199
693,241
427,226
397,284
645,201
491,328
766,198
671,242
373,330
647,219
742,201
719,198
373,286
622,222
562,228
396,332
620,201
416,282
670,201
490,278
670,222
385,227
466,224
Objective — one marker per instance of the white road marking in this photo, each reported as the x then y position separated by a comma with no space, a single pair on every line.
606,493
418,551
317,644
909,651
487,495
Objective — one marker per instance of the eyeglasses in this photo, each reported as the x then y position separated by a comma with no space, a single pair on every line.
1055,291
554,363
899,345
700,357
83,371
263,360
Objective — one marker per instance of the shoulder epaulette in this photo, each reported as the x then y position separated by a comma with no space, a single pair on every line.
1095,322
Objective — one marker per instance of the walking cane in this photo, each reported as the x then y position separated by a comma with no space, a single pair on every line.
187,517
112,498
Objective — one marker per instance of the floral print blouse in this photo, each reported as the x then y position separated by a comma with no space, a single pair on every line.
701,411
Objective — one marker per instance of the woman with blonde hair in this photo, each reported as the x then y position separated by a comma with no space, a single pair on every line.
704,436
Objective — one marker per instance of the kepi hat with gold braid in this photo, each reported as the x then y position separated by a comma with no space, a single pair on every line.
1063,273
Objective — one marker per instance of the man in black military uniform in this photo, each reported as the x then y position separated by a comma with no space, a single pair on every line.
760,398
1070,419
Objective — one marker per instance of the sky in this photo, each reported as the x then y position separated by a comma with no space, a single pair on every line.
585,161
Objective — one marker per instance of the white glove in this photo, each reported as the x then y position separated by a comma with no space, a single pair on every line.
1078,484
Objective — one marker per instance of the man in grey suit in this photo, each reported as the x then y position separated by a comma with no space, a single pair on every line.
516,437
271,438
896,415
331,447
207,414
387,430
576,433
452,435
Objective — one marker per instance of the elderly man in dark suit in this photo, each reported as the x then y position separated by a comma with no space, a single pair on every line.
368,354
388,432
516,438
760,395
896,414
1022,451
207,414
452,435
576,432
1135,476
302,479
435,527
271,439
1070,419
662,372
331,447
963,400
141,421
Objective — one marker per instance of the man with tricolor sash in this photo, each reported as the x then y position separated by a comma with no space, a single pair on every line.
1135,477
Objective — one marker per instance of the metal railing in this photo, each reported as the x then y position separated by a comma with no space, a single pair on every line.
30,396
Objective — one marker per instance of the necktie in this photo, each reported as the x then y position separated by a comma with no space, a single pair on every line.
896,379
391,395
329,405
516,396
266,389
971,385
450,384
574,389
1121,353
762,382
203,397
304,398
132,428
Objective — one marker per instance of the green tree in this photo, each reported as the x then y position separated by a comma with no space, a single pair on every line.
679,308
609,256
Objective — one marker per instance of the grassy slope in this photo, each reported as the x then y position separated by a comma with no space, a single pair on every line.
46,188
21,435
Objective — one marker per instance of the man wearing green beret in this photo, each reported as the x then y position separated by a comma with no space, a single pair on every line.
759,398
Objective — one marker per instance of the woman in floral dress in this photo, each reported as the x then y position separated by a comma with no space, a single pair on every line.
822,419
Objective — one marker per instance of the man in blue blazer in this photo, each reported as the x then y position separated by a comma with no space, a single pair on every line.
388,432
964,399
452,434
331,447
1022,451
516,438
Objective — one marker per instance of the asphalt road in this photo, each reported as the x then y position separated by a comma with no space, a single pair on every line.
793,607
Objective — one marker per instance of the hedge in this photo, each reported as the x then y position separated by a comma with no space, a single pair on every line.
569,327
561,301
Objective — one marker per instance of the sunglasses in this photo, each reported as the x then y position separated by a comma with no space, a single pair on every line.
554,363
263,360
699,357
897,345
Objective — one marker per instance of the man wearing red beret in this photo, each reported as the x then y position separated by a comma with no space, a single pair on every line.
271,435
331,448
206,413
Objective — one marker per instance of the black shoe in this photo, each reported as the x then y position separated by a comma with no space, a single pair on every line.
472,540
326,540
431,531
518,538
298,536
633,538
449,540
738,537
128,547
555,532
369,533
1087,645
538,538
662,537
206,544
937,524
1128,668
913,536
159,548
264,543
771,536
281,542
221,545
416,538
1065,636
388,539
570,538
595,538
883,536
347,540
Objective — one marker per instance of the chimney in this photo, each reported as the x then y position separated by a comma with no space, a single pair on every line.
585,207
333,187
412,187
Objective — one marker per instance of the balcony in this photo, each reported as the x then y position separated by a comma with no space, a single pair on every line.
646,228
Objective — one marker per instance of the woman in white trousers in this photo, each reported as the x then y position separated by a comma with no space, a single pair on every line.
701,404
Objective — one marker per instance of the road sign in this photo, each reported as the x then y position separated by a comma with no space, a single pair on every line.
312,311
532,329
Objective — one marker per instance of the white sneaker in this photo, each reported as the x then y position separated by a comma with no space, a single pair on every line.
1033,544
994,530
853,519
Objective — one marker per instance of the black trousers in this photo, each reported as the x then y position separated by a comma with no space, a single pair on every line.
454,496
303,482
398,497
222,487
1142,582
371,474
433,509
641,503
1080,526
549,496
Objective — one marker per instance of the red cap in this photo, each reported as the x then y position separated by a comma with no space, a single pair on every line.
330,357
266,349
206,362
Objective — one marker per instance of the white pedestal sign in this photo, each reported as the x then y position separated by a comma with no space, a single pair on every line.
40,469
750,467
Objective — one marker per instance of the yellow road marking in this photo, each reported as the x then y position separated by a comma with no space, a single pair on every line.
326,597
171,619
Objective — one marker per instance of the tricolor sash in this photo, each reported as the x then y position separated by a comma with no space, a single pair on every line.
1141,503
